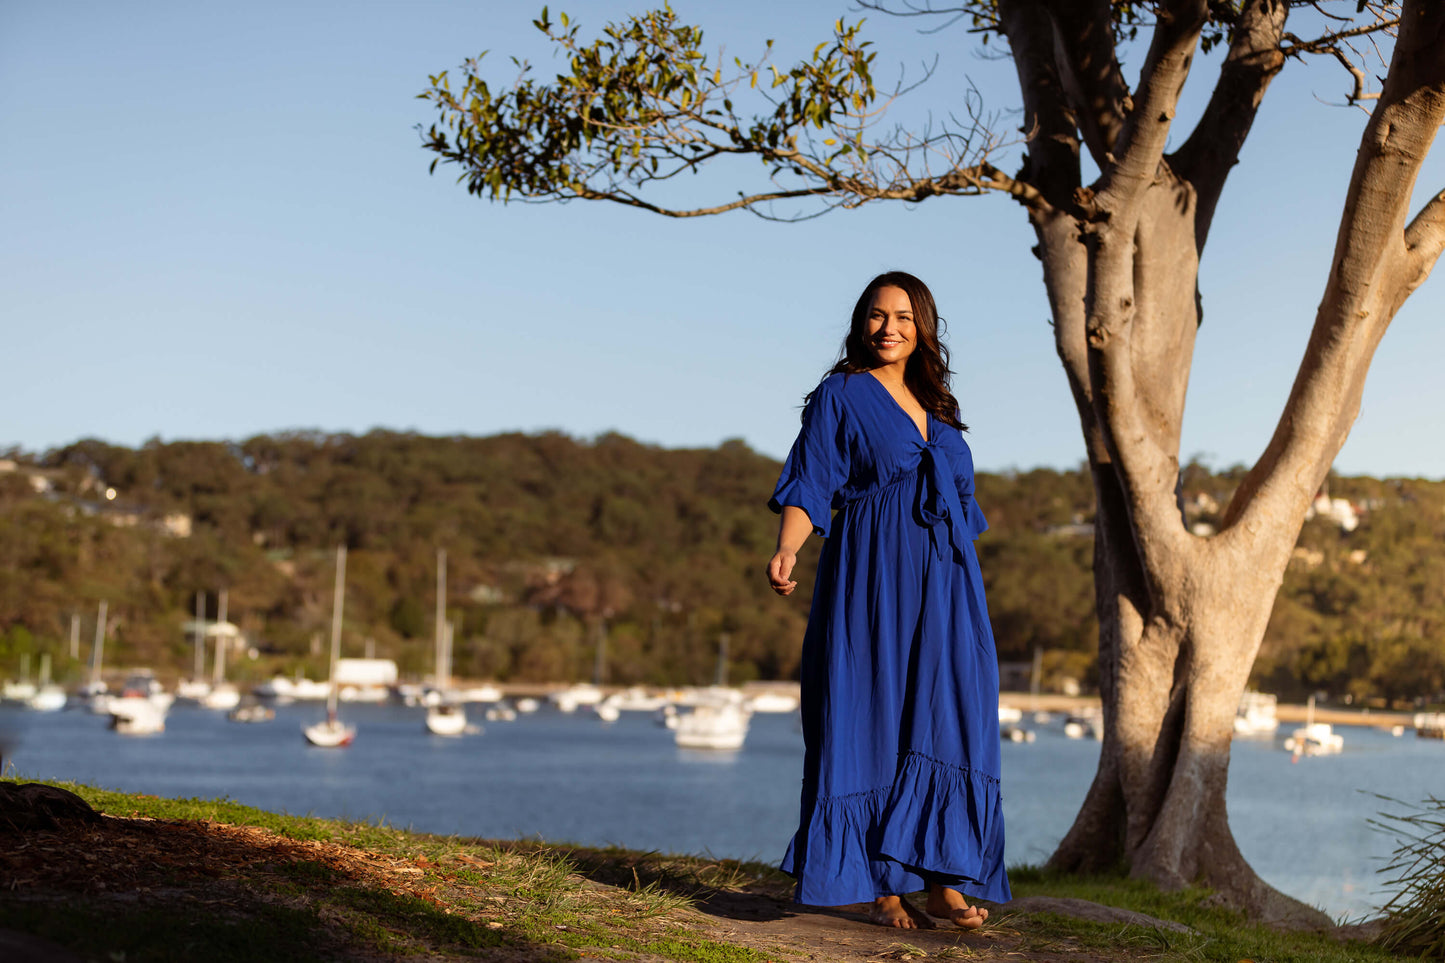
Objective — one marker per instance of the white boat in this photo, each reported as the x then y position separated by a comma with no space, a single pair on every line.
1017,734
501,712
486,692
1009,715
135,715
1314,738
447,719
193,690
712,727
252,712
1256,715
527,704
332,733
17,691
773,701
1429,725
582,694
607,713
1086,726
364,693
48,698
635,699
445,715
224,697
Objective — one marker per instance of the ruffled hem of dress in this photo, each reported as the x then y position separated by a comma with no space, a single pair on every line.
796,492
936,823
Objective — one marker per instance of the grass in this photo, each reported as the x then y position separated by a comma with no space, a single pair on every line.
215,880
1415,918
1217,933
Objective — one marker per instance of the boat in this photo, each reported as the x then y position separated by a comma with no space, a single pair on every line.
196,688
22,689
1314,738
222,695
445,715
607,712
48,696
723,726
1429,725
252,712
486,692
135,715
447,719
581,694
1256,715
1084,726
501,712
1008,715
527,704
332,733
1017,734
635,699
773,700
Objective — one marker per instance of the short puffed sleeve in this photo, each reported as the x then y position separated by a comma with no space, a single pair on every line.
817,466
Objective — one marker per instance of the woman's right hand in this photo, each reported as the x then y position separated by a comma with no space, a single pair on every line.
780,571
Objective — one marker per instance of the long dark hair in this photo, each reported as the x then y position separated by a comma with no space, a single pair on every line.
927,374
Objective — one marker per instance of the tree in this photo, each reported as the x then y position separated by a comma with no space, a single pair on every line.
1180,616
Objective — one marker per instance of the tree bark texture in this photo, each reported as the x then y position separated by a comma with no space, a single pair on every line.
1181,616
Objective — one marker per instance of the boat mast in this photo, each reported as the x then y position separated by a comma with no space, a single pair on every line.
97,648
338,599
441,619
219,669
200,672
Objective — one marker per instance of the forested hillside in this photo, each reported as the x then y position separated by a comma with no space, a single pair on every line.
554,542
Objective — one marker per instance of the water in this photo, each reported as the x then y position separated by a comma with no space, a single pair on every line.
571,778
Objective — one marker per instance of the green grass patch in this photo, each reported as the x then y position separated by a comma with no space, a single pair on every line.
1220,934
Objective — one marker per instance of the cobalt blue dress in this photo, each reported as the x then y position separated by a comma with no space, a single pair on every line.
899,674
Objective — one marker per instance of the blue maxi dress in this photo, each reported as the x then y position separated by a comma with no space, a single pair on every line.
899,673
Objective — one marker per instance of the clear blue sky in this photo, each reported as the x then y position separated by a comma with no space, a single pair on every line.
217,221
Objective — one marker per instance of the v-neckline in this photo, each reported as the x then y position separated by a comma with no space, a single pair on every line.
927,423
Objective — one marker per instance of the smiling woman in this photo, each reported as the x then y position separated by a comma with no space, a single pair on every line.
899,674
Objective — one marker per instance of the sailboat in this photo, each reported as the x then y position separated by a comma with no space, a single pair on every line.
222,695
445,716
719,719
196,688
49,697
332,733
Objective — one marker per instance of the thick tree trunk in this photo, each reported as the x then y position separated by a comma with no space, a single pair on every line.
1181,617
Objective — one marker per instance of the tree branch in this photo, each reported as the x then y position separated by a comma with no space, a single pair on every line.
1140,145
1050,128
1379,260
1213,147
1425,237
1085,52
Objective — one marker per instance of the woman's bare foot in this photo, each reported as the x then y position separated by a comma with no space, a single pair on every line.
949,904
898,912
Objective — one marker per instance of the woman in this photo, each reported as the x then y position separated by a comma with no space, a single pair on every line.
900,679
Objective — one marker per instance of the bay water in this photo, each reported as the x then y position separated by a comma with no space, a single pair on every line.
1303,825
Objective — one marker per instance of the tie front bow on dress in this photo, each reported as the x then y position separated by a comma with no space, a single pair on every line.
937,506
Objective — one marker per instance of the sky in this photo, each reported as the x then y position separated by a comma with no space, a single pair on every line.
218,222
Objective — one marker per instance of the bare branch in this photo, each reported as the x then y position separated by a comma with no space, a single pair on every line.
1085,51
1140,145
1050,127
1213,147
1379,260
1425,237
1327,43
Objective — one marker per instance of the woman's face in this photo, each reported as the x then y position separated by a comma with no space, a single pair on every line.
891,334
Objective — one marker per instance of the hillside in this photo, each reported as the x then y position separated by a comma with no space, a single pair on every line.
554,542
